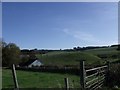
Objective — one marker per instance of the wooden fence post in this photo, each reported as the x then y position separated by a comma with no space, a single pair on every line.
14,77
66,83
82,74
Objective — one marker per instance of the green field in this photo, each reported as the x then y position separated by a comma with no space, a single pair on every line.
41,80
38,79
108,50
68,58
54,80
73,57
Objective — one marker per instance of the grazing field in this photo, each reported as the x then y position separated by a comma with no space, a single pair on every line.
38,80
102,50
90,56
68,58
109,51
29,79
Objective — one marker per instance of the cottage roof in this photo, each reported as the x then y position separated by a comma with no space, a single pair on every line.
29,62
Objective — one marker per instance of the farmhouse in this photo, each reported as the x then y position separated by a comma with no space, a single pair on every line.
32,63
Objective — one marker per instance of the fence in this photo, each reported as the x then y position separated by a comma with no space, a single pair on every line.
94,78
66,80
90,79
72,71
15,77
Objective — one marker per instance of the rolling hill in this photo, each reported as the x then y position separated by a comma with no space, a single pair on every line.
69,58
96,56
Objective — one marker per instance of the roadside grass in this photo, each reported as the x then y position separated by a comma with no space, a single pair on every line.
38,79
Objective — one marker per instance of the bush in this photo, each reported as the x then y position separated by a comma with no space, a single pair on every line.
114,76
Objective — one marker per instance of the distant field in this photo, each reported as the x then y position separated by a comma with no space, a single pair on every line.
38,80
109,50
73,57
69,58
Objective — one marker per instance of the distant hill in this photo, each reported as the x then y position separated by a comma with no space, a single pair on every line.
109,53
103,50
96,56
69,58
43,51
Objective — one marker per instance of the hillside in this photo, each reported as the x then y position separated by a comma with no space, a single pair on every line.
107,50
91,56
68,58
109,53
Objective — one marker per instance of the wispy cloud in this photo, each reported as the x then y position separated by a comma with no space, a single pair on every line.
80,35
87,37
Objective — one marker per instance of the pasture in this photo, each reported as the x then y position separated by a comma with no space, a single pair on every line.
107,50
29,79
38,79
69,58
91,56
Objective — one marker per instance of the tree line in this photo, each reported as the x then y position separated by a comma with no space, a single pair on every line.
78,48
11,53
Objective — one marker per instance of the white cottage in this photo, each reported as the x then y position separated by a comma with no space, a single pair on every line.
33,63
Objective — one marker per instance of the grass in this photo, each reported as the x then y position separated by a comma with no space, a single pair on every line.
53,80
68,58
108,51
73,57
38,80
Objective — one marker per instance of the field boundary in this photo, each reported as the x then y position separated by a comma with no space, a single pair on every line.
93,78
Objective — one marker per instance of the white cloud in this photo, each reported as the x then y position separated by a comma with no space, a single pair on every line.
80,35
88,37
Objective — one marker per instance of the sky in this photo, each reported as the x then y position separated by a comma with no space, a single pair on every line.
60,25
0,20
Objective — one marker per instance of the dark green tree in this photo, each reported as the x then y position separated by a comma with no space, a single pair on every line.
10,54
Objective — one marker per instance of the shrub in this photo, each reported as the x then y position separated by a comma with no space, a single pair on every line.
114,76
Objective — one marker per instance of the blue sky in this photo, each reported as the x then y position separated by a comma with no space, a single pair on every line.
60,25
0,20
